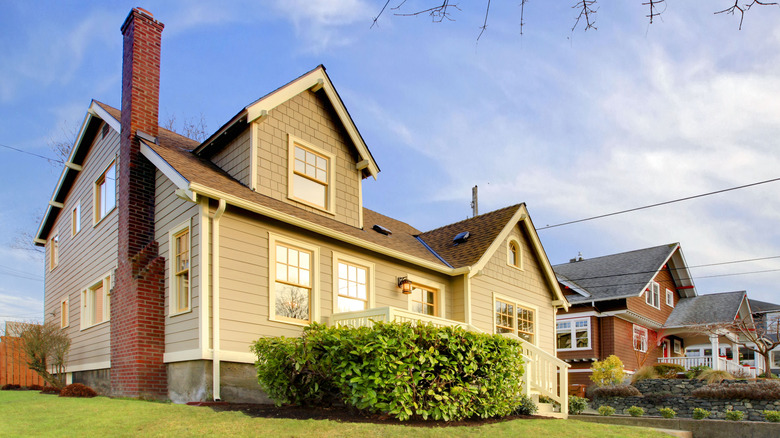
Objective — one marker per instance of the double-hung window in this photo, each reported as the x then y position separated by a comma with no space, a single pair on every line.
310,175
95,302
293,283
669,298
105,192
640,339
653,295
573,334
352,287
179,239
513,317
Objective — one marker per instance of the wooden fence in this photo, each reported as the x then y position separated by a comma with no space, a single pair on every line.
13,364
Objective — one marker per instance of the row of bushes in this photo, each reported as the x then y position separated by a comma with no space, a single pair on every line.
73,390
698,413
402,370
754,390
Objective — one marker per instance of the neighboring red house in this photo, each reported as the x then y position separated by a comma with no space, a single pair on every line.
620,303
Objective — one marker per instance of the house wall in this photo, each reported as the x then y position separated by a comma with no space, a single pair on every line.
527,286
311,118
181,330
640,306
234,158
84,258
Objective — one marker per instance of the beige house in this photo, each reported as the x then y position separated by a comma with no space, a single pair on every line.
167,258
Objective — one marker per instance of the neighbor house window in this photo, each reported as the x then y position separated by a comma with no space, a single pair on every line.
425,300
640,338
105,192
95,303
180,268
775,359
573,334
352,287
514,256
669,298
64,313
293,283
54,251
310,175
513,317
653,295
75,219
677,348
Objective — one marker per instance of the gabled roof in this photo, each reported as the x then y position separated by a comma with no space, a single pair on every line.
315,80
709,309
763,307
624,275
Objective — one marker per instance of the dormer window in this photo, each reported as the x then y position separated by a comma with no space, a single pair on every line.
310,175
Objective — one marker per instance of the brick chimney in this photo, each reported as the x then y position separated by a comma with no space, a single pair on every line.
138,298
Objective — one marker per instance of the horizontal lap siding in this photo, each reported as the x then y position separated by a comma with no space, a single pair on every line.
85,257
244,274
181,331
527,286
640,306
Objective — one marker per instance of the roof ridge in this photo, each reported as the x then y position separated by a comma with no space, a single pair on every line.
474,217
619,253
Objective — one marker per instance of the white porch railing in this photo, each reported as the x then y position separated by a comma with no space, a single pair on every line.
688,362
544,373
722,364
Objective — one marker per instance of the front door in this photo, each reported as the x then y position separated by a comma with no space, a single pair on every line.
667,348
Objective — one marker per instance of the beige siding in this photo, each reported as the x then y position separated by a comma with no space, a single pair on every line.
244,271
234,158
311,118
527,286
182,330
85,257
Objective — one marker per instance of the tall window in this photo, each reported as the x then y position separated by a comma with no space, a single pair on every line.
64,313
653,295
669,298
75,219
105,193
526,323
505,317
513,254
352,287
640,338
95,303
424,300
512,317
54,251
293,285
574,334
310,176
181,270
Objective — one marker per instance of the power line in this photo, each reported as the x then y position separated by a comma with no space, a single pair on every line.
32,153
687,198
740,273
594,286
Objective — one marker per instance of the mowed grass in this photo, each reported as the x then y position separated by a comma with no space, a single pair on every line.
28,413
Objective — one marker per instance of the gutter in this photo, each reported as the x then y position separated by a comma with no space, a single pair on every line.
215,364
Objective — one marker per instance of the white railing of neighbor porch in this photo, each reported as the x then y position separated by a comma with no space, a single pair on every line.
722,364
688,362
366,318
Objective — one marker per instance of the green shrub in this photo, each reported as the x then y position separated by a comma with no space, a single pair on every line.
402,370
772,416
758,390
644,373
667,412
616,391
606,410
734,415
635,411
668,370
608,371
700,414
525,406
694,371
577,404
715,376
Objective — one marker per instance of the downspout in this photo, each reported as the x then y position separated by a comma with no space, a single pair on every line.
215,297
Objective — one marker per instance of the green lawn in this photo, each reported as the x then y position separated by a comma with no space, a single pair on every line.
27,413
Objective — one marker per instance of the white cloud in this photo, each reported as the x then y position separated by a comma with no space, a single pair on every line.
321,23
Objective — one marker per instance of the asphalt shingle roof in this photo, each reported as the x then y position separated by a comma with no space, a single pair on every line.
762,306
720,308
614,276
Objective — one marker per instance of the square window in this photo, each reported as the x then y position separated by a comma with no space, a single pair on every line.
424,300
576,331
105,193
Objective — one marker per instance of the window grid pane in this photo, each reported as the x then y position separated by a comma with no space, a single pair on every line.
525,323
505,317
424,300
293,283
351,288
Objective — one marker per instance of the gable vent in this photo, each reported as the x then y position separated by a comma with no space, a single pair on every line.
461,237
381,230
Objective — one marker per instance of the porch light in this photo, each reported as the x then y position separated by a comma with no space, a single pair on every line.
405,284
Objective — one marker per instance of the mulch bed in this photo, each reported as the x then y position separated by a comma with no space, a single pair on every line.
346,415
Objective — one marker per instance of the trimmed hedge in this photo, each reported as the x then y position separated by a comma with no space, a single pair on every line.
402,370
616,391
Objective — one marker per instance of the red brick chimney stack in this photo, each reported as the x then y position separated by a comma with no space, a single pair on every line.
138,298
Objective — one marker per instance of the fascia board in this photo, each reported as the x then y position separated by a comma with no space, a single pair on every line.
159,162
573,286
319,229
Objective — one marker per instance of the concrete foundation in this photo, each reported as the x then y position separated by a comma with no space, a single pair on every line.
99,380
192,382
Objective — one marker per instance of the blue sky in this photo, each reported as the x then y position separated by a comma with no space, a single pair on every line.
573,123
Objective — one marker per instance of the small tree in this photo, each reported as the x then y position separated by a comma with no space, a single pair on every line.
608,371
46,346
761,335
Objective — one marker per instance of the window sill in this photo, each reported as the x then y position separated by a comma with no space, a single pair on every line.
95,325
98,221
575,349
299,323
309,204
180,312
515,267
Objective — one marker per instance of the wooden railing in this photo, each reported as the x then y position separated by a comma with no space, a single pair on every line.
688,362
722,364
366,318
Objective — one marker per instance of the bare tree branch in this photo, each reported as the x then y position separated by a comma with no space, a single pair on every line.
654,12
484,25
194,128
437,13
744,8
586,11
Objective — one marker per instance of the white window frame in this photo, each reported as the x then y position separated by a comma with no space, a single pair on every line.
86,303
669,298
517,303
173,284
774,359
644,337
677,346
97,191
314,299
653,295
54,252
65,313
573,333
514,241
428,284
75,217
330,194
355,261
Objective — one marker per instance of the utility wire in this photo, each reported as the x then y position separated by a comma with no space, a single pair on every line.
687,198
32,153
594,286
